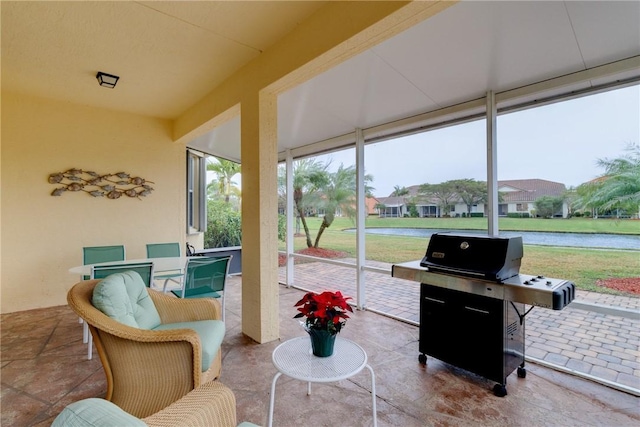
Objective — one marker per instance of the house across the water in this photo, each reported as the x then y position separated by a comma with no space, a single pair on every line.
517,196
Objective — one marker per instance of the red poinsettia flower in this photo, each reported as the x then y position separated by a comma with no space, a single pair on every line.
327,310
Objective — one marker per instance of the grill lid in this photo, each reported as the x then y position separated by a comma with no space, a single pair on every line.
474,255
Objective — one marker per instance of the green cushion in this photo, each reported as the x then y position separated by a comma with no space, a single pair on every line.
211,333
124,297
94,412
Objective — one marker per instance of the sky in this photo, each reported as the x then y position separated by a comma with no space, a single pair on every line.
560,142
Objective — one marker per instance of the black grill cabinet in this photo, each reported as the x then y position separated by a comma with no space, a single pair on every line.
480,334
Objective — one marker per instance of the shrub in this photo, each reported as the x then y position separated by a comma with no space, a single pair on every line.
549,206
476,215
224,226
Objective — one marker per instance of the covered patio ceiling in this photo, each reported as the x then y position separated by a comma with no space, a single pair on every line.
170,54
451,59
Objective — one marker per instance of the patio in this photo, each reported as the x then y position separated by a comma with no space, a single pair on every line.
603,346
44,368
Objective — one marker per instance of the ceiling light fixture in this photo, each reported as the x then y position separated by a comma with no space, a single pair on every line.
107,80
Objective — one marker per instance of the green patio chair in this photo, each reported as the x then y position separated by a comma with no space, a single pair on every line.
98,254
95,255
205,277
144,269
165,250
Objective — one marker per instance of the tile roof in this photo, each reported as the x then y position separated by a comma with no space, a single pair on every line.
528,190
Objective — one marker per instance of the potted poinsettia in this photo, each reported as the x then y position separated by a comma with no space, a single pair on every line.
326,314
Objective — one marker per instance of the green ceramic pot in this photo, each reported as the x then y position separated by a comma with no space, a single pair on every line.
322,342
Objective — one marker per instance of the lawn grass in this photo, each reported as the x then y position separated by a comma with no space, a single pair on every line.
582,266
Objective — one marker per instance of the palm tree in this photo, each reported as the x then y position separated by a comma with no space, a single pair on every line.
308,176
225,170
339,191
619,187
399,191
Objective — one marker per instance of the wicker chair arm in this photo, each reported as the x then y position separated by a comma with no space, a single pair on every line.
211,404
174,310
172,370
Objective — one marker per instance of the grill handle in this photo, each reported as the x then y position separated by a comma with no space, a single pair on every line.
477,310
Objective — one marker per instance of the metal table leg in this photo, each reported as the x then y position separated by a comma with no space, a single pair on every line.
272,399
373,396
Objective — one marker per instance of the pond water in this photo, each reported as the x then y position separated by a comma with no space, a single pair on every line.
609,241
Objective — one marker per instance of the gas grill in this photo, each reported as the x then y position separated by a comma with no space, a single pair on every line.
472,303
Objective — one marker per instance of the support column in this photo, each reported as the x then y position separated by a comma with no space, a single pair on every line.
360,221
492,165
260,289
290,217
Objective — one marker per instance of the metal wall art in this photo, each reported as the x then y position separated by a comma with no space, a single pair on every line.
112,185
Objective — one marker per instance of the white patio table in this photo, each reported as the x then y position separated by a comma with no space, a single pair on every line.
160,265
294,359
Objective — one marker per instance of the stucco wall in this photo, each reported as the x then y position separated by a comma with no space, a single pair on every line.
42,236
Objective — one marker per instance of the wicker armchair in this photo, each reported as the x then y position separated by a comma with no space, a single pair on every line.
148,370
211,404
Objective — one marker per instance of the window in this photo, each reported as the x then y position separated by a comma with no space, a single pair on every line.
522,207
196,199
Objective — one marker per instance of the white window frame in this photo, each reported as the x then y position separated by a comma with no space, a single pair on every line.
196,192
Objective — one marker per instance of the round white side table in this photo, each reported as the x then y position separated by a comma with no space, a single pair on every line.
294,359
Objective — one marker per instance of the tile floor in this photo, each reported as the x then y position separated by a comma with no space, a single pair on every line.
44,368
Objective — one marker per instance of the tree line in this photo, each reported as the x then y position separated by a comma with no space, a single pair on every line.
317,189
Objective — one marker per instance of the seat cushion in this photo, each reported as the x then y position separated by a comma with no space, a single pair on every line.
124,297
210,332
94,412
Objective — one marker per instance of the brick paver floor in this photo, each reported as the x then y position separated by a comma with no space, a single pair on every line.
600,345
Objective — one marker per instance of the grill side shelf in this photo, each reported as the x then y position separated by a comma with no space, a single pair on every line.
554,294
563,296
